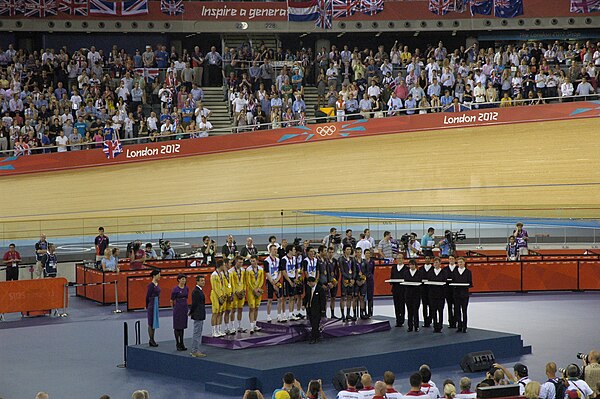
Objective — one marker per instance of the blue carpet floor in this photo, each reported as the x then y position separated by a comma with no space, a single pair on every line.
77,356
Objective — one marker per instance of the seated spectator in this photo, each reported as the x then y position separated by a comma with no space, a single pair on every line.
532,390
449,391
350,392
415,386
465,389
367,390
140,394
390,392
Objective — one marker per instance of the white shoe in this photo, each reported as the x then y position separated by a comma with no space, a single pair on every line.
269,318
242,330
216,335
221,334
257,328
294,318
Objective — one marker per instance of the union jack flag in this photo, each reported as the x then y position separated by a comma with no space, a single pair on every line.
344,8
585,6
171,7
371,7
150,74
325,15
73,7
112,148
119,8
11,8
440,7
39,8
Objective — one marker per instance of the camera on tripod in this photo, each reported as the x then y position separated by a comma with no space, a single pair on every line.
453,236
335,239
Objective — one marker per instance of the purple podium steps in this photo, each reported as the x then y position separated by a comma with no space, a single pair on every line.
295,331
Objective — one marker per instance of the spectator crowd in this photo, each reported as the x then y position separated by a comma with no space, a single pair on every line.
61,100
571,382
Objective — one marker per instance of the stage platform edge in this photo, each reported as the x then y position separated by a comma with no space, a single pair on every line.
231,372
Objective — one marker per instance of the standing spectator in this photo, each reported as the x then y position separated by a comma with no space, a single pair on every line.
522,238
214,60
179,296
137,256
101,242
198,314
50,262
385,245
12,258
41,247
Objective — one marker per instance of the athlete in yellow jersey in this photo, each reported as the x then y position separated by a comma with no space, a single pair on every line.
217,298
255,279
238,281
228,288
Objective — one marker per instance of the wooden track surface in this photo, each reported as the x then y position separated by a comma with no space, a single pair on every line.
540,165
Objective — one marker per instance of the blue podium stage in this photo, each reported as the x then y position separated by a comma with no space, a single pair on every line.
230,372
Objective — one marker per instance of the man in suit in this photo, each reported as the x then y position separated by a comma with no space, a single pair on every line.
198,314
315,303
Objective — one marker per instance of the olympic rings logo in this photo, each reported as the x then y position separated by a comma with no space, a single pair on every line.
326,130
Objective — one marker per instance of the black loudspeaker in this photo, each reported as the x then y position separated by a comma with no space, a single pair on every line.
477,361
339,379
498,391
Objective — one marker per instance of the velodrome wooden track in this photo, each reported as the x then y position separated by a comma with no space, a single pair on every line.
542,165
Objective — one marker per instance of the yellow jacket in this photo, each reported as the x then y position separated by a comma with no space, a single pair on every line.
237,281
254,281
215,284
227,285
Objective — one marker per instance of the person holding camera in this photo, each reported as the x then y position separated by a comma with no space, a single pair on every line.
333,240
208,251
413,249
577,388
591,370
315,390
167,251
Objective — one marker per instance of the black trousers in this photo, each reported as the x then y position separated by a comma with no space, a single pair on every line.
437,311
399,303
413,300
426,307
451,308
461,303
12,273
315,322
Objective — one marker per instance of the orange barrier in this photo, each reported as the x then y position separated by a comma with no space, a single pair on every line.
33,295
496,277
550,276
589,275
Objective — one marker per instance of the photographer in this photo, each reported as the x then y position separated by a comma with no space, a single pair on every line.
334,240
446,245
208,251
578,387
167,251
591,370
413,249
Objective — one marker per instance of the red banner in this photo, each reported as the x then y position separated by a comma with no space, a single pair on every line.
32,295
296,135
277,12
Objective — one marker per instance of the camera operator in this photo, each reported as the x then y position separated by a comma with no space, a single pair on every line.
334,240
150,252
167,251
591,370
446,245
208,251
349,240
579,387
413,250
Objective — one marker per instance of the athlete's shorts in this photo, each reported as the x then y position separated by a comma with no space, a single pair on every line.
253,301
288,290
216,307
238,303
361,290
273,292
332,292
347,291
